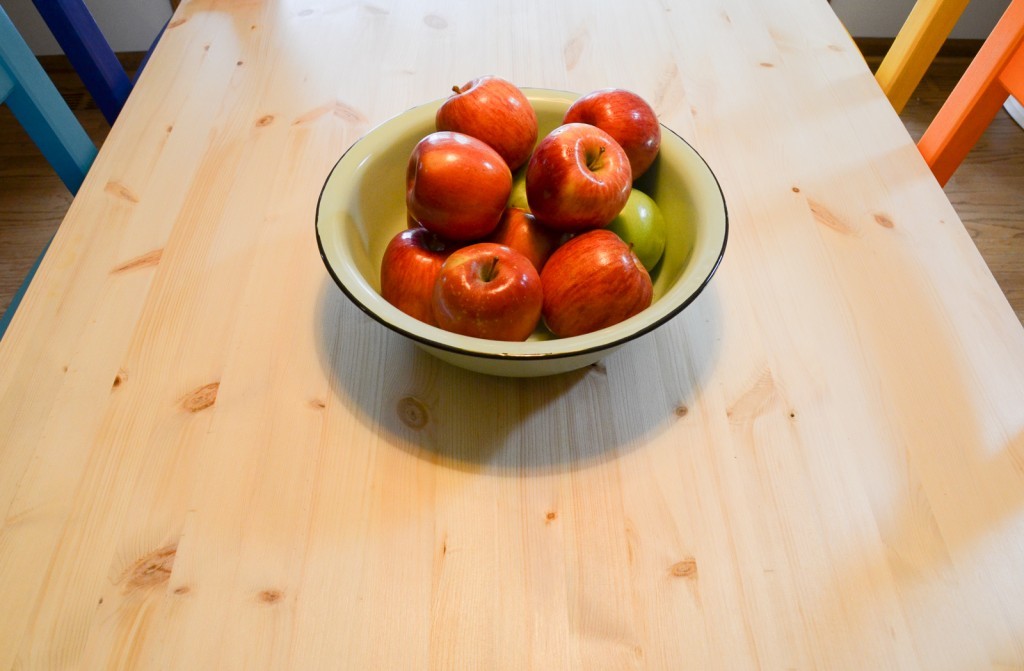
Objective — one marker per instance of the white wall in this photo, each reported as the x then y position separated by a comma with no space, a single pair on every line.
883,18
129,25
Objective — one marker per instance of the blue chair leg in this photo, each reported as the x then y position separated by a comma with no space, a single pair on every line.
149,53
42,112
38,106
89,52
8,314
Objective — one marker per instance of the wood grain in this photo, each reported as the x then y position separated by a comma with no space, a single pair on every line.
210,459
984,191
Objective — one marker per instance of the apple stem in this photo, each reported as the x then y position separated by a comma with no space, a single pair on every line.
456,89
595,163
490,271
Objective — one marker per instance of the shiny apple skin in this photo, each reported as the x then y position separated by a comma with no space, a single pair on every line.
469,301
577,179
495,111
591,282
625,116
521,231
409,268
456,186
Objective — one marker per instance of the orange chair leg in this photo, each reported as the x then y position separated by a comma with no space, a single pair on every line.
992,77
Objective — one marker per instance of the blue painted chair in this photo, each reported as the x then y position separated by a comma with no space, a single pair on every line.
37,105
89,53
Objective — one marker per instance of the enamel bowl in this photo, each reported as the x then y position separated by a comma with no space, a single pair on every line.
362,206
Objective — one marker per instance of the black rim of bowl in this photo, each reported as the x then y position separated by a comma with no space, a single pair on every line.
526,356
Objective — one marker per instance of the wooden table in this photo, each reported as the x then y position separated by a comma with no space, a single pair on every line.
211,460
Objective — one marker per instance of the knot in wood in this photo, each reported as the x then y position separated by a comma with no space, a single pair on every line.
201,398
687,568
151,570
413,412
271,595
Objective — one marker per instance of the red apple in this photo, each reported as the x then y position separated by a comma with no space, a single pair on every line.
495,111
521,231
626,117
456,186
591,282
578,178
410,266
490,291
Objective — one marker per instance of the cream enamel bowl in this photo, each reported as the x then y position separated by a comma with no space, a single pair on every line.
362,206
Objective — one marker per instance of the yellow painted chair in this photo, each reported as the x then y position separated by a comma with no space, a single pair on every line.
915,47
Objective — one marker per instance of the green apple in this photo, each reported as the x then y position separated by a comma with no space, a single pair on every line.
517,198
641,224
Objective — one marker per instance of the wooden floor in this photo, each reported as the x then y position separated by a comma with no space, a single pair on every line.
987,190
33,200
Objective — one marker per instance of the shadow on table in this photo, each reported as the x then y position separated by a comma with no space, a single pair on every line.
946,493
529,426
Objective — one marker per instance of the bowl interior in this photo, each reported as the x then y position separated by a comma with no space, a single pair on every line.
362,206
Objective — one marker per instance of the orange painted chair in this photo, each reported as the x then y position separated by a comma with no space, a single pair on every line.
995,74
927,26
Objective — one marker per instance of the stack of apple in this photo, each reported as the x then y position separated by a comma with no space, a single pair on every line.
504,231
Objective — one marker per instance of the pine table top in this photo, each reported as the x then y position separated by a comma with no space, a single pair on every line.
209,458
